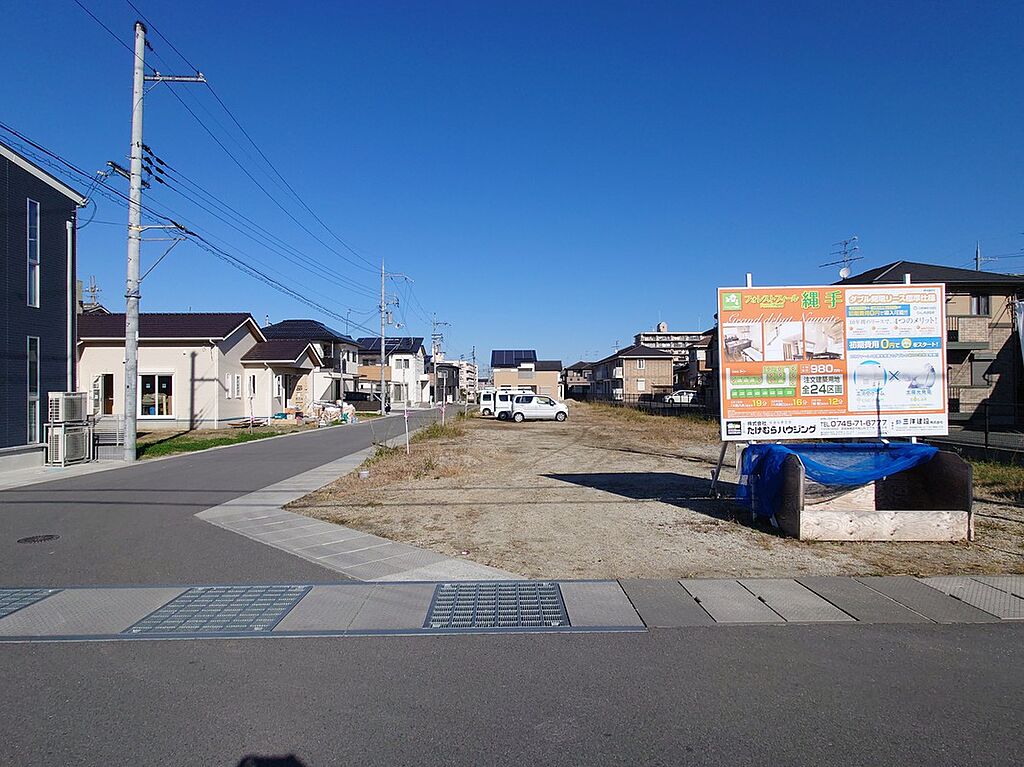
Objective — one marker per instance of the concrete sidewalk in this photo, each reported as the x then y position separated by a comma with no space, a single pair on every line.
136,524
495,607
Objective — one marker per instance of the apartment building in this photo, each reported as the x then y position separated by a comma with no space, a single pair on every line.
983,352
676,342
638,371
520,368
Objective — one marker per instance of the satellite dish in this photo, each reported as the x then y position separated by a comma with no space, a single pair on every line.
844,272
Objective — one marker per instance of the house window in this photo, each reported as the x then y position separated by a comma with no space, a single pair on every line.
157,395
33,389
278,387
236,386
641,384
227,385
32,238
641,364
980,305
979,370
252,385
103,394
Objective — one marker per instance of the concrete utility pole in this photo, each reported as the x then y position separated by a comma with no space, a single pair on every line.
385,320
131,293
383,311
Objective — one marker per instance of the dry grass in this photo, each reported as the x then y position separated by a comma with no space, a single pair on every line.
661,429
999,480
612,493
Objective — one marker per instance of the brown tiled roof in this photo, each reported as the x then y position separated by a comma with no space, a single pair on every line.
893,273
157,325
636,350
279,350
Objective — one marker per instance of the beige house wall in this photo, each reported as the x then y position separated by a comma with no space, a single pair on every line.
656,373
195,387
542,381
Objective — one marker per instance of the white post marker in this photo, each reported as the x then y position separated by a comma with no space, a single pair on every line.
442,410
407,450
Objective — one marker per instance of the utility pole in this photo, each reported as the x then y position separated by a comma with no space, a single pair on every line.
383,310
435,348
385,319
978,258
132,295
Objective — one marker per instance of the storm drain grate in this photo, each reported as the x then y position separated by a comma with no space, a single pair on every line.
222,610
12,600
497,605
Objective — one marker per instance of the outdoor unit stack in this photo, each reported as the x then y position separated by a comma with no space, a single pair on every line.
69,435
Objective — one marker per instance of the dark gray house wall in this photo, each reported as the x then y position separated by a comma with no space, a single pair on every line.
18,320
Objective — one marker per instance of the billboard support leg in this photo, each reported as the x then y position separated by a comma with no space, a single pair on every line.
718,471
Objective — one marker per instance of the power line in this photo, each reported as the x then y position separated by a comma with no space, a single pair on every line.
368,264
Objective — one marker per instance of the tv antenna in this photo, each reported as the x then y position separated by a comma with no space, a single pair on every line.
845,252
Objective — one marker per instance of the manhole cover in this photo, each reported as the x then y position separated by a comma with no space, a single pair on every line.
38,538
222,610
499,605
12,600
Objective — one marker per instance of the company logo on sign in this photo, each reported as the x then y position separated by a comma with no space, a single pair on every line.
732,302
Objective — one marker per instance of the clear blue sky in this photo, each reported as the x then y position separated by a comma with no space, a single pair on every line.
552,176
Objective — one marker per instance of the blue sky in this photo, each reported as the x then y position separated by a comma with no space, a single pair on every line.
551,176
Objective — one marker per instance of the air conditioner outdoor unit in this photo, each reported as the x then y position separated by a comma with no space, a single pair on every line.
69,406
68,444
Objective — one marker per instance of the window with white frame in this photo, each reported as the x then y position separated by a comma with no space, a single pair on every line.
32,244
227,385
156,395
278,387
641,364
252,384
236,386
33,389
641,384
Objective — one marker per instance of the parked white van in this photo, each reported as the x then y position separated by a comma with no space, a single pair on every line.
498,402
537,407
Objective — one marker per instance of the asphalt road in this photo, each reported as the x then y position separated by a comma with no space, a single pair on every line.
789,695
135,525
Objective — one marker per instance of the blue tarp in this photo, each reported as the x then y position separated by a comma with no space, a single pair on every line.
835,463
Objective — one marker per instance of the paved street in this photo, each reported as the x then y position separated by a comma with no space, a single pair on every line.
136,524
787,695
840,672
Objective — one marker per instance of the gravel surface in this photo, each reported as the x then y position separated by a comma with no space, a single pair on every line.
613,494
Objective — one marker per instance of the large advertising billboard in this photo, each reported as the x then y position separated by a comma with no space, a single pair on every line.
832,362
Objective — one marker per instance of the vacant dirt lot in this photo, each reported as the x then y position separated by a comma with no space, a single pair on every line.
610,494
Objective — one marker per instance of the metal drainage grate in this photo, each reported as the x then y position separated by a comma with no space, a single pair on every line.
12,600
222,610
497,605
38,538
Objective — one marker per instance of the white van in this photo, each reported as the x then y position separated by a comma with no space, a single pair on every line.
498,402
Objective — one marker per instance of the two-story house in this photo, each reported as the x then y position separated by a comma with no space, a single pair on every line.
511,368
632,373
404,369
983,354
340,354
577,379
38,306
